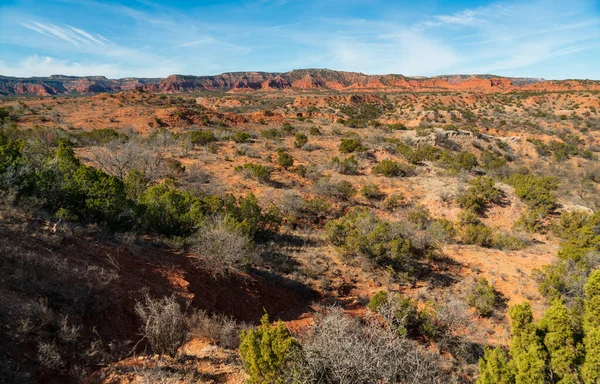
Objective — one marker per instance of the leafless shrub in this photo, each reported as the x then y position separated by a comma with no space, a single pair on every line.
49,356
342,350
219,248
166,375
309,147
194,176
37,318
118,158
163,324
223,330
247,150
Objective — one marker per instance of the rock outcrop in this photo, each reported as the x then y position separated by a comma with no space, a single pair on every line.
303,79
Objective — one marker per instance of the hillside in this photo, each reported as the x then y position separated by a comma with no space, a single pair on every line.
304,79
392,224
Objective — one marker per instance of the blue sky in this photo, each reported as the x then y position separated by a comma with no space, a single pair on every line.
550,39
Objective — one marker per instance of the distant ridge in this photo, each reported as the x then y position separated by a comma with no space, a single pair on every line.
298,79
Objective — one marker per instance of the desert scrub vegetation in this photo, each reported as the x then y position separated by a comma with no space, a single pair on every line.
284,159
342,349
65,188
337,349
271,134
267,352
480,194
341,190
538,192
300,140
458,161
394,202
163,324
298,210
561,347
577,257
221,247
390,168
482,297
348,166
241,137
360,233
351,144
418,155
561,151
442,321
259,172
202,137
474,232
371,192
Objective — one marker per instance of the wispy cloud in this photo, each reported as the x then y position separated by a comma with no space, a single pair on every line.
467,17
212,41
505,37
69,34
206,40
86,35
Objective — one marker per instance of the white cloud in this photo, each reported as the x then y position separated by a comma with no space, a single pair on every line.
35,65
86,35
405,51
466,17
511,36
75,36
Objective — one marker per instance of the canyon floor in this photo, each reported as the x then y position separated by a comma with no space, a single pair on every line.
202,142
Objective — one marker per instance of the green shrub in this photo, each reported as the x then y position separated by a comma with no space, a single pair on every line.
536,191
392,168
202,137
260,172
378,301
284,159
267,352
557,347
348,166
477,234
360,233
287,128
419,216
417,156
458,161
494,367
241,137
406,315
576,259
371,192
171,212
394,202
491,161
315,131
442,230
350,145
526,349
397,127
271,133
560,341
480,194
99,136
482,297
300,140
507,242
